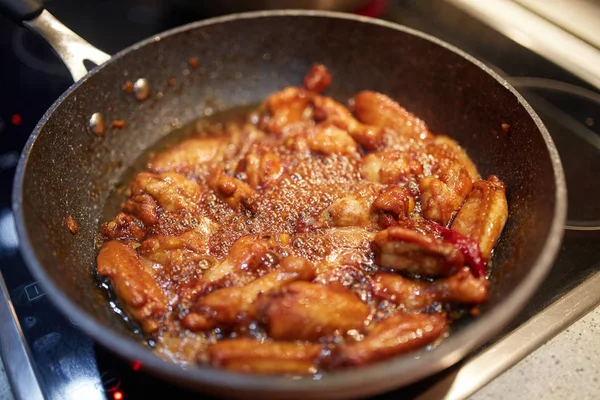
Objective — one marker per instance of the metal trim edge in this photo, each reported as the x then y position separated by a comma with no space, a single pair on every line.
518,344
15,353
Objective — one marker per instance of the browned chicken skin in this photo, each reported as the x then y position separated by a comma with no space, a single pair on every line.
397,334
188,156
225,306
140,294
378,109
170,190
262,168
329,139
462,288
249,355
408,251
303,236
390,166
327,109
231,190
286,107
351,210
484,214
317,79
309,311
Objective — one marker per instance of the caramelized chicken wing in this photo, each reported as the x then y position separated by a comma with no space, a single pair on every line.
452,148
246,255
143,207
395,201
329,139
250,355
317,79
224,306
390,166
232,191
262,168
408,251
452,180
122,227
438,201
172,191
248,258
378,109
286,107
139,293
189,155
352,210
398,334
187,251
460,288
327,109
309,311
483,215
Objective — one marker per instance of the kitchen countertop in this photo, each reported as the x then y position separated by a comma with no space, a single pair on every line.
566,367
5,392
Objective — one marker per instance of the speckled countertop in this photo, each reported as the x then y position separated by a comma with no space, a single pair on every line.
5,392
566,367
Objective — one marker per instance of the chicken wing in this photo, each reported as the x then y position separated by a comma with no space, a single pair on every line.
398,334
178,260
250,355
351,210
225,306
124,226
172,191
483,215
248,258
232,191
378,109
309,311
394,201
439,202
390,166
452,149
143,207
262,168
408,251
460,288
286,108
327,109
139,293
189,155
247,254
326,138
317,79
452,181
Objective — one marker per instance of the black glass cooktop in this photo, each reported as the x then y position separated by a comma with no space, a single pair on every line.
67,364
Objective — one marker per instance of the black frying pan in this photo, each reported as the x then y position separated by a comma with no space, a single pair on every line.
67,170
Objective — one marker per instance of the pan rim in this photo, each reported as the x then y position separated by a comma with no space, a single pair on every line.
377,378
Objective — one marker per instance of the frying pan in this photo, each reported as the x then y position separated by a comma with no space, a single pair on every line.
67,170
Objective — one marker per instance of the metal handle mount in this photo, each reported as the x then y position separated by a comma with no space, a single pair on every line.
70,47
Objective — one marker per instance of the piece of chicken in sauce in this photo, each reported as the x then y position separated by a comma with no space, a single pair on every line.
305,236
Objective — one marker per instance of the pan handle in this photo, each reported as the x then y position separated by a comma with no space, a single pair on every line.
70,47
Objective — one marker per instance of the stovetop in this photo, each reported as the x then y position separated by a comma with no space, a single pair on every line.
66,364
